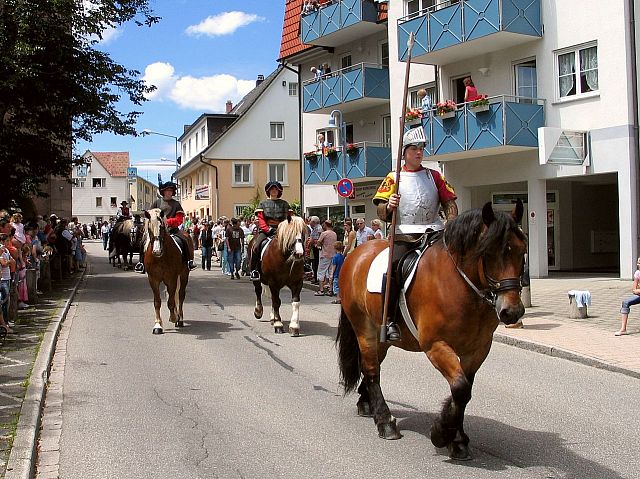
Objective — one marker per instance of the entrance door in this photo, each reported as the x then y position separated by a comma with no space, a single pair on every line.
458,88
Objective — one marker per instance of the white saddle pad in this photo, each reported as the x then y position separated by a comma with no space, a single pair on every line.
379,267
177,242
266,245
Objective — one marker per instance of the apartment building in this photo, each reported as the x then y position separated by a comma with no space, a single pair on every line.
559,130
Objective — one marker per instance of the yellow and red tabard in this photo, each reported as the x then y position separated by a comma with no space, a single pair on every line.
422,192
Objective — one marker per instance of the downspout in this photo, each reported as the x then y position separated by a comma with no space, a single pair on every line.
201,158
634,97
297,72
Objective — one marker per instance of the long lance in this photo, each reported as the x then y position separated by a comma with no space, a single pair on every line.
394,214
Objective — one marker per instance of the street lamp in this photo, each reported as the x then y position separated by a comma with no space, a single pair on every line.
147,132
340,127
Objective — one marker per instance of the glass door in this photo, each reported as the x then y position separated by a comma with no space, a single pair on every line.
526,81
386,131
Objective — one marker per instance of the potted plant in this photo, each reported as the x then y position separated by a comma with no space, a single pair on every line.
352,149
479,105
413,116
331,153
311,156
446,109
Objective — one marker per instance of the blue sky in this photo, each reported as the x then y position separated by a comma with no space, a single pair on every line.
201,54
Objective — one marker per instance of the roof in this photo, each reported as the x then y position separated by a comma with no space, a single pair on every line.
115,162
189,128
250,98
290,43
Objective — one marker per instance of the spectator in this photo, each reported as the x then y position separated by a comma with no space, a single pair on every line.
235,241
325,69
326,242
470,91
104,231
336,265
5,280
627,303
425,100
94,231
316,73
349,236
195,234
314,234
16,222
376,226
206,242
363,232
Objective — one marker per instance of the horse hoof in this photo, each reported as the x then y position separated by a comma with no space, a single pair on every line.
389,430
279,330
180,324
364,409
459,451
295,332
257,313
158,331
441,437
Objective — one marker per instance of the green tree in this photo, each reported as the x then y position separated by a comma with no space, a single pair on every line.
56,87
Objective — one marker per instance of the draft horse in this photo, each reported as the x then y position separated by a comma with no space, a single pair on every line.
465,284
163,263
283,265
125,240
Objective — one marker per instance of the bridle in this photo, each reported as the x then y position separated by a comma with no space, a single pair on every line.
496,287
160,237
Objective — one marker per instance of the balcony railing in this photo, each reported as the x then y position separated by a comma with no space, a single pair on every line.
339,22
468,28
371,160
509,124
360,86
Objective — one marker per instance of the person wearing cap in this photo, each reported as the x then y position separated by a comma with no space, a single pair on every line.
422,193
174,215
124,212
270,213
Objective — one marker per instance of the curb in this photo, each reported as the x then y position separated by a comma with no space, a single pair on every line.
23,455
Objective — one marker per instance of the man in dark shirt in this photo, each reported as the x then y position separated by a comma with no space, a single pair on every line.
234,236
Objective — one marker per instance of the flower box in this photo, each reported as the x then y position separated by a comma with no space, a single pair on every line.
479,108
352,149
331,153
415,121
311,156
447,114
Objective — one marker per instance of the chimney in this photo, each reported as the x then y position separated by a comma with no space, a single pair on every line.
229,106
259,80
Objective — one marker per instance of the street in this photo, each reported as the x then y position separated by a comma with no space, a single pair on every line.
226,397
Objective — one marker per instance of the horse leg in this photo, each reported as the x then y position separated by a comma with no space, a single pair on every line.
257,312
157,303
181,293
364,402
294,324
171,299
276,320
447,430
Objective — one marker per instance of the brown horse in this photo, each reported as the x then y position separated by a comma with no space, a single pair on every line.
456,305
163,263
283,265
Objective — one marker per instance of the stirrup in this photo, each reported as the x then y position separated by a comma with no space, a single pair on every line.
393,333
191,265
255,275
139,268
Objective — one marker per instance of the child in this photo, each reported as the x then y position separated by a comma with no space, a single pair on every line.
336,265
635,299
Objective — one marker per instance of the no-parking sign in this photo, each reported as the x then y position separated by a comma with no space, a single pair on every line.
345,188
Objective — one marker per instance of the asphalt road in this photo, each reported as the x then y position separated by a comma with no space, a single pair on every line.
226,397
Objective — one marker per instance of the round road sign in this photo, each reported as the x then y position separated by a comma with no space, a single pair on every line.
345,188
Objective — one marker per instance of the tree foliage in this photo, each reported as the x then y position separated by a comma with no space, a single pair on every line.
57,88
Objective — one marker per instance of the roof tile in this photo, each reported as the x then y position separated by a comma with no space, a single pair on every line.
115,162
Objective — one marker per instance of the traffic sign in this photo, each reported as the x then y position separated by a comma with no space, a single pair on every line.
345,188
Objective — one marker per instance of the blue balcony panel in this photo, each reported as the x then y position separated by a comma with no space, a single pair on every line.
354,88
340,22
469,28
509,125
370,161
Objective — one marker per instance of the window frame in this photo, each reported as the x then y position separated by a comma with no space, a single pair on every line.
271,130
431,86
238,207
235,183
113,201
579,95
103,182
285,172
293,88
98,201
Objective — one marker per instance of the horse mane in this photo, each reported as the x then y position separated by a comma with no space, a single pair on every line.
288,231
465,235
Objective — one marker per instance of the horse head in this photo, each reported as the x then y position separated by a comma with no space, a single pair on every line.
291,236
155,230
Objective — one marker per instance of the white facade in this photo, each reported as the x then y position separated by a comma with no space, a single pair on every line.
97,195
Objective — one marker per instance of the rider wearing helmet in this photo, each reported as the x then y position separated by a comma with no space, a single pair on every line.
421,194
174,215
270,213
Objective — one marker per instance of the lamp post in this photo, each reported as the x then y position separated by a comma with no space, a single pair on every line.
147,132
336,123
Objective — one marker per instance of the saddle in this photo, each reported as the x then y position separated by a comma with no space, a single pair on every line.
180,243
262,247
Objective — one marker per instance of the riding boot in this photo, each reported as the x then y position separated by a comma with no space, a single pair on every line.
254,267
139,267
393,331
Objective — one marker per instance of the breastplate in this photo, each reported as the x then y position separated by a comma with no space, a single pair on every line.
275,209
419,204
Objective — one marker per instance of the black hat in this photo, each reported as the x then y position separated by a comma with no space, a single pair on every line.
271,184
168,184
124,203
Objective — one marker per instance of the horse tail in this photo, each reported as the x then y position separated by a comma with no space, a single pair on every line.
348,354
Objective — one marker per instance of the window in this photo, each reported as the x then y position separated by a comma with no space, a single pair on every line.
293,89
578,71
278,172
197,141
77,182
203,137
414,101
384,54
242,174
526,81
184,151
386,131
277,131
189,149
345,61
98,202
99,182
114,201
415,6
238,209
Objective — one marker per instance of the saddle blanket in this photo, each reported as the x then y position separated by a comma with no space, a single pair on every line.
178,241
379,267
264,245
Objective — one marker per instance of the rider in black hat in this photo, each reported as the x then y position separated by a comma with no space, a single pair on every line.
124,212
270,213
173,213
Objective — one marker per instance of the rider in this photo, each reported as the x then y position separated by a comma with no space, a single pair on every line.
270,213
174,215
124,212
423,192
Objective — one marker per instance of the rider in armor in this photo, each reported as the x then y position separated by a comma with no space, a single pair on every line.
270,213
421,194
124,212
174,215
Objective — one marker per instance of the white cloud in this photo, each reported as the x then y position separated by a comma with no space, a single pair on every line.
209,93
224,23
109,35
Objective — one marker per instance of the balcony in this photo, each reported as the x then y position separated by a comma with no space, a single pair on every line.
372,160
468,28
340,22
509,125
353,88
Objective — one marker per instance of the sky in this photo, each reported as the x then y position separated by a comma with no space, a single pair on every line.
201,54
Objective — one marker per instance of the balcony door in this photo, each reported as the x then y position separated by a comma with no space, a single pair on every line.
526,81
386,131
